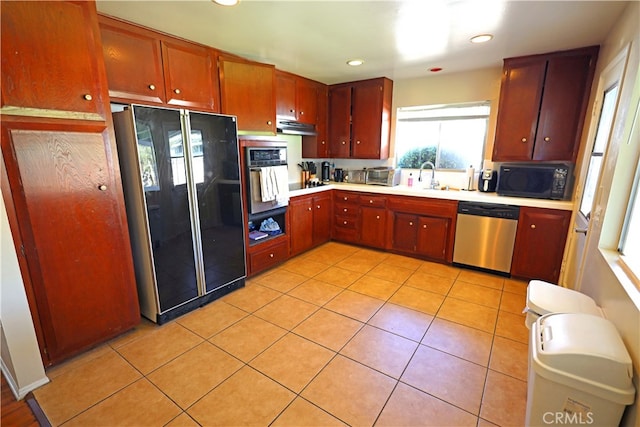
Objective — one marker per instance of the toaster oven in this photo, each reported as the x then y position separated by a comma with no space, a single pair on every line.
383,176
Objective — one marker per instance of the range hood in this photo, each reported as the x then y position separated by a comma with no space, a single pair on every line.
295,128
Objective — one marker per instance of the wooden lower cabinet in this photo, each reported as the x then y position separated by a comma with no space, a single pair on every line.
373,226
346,222
301,220
423,227
62,184
322,216
432,240
540,242
268,254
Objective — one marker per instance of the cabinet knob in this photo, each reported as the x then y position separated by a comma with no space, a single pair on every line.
424,225
177,91
88,97
344,210
292,111
302,113
270,255
357,142
152,87
309,209
343,142
345,198
547,139
533,226
269,122
318,207
411,223
344,222
377,216
370,201
102,187
524,139
322,142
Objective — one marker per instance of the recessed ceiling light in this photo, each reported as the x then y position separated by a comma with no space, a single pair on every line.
481,38
226,2
355,62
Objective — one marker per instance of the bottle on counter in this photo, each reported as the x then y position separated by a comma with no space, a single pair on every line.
410,180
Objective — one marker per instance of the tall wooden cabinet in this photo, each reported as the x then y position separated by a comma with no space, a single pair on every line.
543,100
360,119
61,180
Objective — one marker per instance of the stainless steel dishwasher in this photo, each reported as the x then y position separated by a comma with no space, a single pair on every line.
485,236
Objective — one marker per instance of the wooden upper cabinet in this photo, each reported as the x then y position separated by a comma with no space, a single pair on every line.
247,90
340,121
360,119
296,98
189,75
285,95
306,100
371,119
317,146
543,100
133,59
35,81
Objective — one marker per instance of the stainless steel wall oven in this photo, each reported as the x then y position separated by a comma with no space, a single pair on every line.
267,180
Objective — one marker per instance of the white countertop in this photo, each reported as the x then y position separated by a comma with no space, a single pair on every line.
473,196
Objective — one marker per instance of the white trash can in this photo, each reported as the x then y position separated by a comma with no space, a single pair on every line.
544,298
580,372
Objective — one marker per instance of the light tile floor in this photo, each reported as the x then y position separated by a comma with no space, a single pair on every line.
340,335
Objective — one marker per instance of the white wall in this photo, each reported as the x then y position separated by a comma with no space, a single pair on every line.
21,362
602,278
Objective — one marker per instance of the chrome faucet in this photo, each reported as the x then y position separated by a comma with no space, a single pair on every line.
433,183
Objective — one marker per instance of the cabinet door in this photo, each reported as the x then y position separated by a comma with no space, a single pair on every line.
322,218
433,237
520,96
70,210
285,96
189,78
366,120
405,232
373,225
561,114
133,60
301,211
317,146
247,90
340,123
35,81
306,101
540,242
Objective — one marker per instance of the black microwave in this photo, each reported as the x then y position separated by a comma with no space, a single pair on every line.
540,181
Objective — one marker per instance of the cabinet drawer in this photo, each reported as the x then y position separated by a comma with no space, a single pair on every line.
346,210
345,234
264,259
373,201
346,197
346,222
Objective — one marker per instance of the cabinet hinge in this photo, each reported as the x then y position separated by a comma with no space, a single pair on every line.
22,250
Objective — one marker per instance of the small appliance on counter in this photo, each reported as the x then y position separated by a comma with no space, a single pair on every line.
488,181
326,171
357,176
383,176
338,175
539,180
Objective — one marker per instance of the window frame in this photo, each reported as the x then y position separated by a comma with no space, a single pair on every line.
439,119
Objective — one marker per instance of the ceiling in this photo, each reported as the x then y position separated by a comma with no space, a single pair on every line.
396,39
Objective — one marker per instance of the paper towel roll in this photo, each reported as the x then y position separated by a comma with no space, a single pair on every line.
471,173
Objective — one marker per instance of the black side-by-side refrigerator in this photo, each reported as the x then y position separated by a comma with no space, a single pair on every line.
181,177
